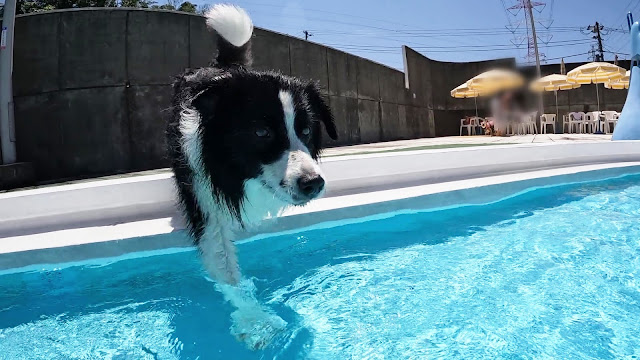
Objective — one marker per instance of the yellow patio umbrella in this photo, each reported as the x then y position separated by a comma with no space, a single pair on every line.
553,83
622,83
463,91
492,81
595,72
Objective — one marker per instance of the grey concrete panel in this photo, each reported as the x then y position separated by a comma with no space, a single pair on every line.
390,122
343,73
35,55
94,131
202,43
157,46
345,113
368,80
411,119
39,134
92,48
149,112
419,73
270,51
16,175
73,133
586,94
441,79
430,129
404,129
613,97
447,123
309,61
369,121
391,85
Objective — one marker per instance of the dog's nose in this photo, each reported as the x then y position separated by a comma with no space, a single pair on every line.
311,186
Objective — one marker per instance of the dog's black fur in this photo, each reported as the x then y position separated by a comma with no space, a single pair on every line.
235,102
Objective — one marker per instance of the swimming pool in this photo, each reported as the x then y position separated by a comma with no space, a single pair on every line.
550,273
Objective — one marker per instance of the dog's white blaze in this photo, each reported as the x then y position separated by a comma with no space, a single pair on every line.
296,161
219,255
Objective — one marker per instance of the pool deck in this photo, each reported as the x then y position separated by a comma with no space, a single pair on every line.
460,141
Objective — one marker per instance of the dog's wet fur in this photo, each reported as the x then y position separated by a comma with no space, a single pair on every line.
244,144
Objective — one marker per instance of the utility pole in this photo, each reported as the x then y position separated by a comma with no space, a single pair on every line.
535,37
532,38
535,46
596,30
7,128
307,34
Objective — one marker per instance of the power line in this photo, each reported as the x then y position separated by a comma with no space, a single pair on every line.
484,46
568,56
392,49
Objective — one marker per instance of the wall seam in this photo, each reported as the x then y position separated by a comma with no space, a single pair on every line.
127,92
189,42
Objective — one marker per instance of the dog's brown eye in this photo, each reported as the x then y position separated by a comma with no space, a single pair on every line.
306,131
264,132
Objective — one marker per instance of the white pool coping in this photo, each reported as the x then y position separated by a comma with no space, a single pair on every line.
112,217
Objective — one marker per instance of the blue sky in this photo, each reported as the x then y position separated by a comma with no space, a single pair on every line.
448,30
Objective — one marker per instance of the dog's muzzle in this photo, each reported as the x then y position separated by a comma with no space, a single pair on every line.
310,186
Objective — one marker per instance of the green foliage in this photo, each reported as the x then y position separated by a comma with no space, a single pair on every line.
188,7
31,6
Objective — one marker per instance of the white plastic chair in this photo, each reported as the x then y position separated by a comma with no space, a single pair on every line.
566,124
576,120
591,122
469,126
610,118
530,124
477,123
547,119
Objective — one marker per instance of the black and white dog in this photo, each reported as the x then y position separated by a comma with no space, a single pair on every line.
244,145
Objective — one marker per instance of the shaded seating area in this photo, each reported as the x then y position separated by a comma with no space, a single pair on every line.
511,122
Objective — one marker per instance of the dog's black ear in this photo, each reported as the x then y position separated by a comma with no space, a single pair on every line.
321,109
205,101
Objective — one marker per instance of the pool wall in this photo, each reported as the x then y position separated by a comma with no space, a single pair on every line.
116,216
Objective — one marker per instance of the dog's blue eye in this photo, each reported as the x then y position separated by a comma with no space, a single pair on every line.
306,131
262,132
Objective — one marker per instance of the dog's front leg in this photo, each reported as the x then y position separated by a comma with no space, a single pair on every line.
219,254
252,323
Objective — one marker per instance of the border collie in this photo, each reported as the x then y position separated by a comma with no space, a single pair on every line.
244,145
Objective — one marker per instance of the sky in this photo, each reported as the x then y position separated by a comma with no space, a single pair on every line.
449,30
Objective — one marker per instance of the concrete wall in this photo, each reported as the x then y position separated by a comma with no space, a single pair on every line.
92,87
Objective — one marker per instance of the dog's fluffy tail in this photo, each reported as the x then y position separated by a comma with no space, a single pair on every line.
234,28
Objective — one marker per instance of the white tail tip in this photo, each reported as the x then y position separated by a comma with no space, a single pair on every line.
230,22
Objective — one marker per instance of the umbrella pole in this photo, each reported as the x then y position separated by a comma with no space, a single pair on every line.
475,100
598,97
556,92
598,119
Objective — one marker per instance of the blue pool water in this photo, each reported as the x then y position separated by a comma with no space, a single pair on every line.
552,273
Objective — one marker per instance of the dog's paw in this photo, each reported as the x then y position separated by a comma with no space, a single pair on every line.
256,327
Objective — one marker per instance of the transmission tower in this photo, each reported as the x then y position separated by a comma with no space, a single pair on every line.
526,7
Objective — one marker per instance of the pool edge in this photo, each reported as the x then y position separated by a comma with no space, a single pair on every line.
72,245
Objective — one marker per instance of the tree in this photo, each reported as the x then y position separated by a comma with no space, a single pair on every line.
202,9
30,6
144,4
188,7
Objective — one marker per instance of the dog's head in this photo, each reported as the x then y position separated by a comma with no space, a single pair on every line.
265,128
